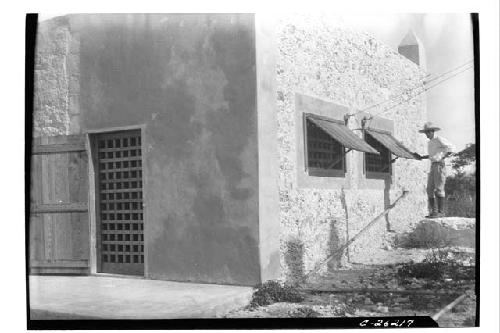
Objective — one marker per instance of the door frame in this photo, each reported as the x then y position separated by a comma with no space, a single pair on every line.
94,232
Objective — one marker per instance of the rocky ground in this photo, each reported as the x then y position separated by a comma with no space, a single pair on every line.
384,290
432,266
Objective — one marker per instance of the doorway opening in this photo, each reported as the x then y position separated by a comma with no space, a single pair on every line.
119,206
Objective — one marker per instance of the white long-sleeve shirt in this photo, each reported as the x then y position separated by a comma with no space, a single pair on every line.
438,147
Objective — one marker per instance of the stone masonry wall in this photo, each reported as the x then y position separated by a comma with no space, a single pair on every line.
56,79
319,59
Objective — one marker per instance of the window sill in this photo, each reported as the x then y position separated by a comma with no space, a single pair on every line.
316,172
377,175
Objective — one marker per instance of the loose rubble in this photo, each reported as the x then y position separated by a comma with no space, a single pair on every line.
382,290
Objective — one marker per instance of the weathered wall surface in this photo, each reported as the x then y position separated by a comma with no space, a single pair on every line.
350,69
56,72
269,224
190,80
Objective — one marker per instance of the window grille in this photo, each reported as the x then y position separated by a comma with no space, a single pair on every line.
377,163
324,154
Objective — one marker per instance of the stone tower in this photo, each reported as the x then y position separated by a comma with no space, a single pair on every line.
412,48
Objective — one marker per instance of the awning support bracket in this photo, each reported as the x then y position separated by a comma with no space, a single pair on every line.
339,159
387,166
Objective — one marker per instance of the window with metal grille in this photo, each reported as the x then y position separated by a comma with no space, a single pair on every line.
377,166
325,156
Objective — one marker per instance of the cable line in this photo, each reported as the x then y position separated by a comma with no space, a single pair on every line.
443,74
412,89
423,90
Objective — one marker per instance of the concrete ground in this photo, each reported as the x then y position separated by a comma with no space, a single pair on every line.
111,297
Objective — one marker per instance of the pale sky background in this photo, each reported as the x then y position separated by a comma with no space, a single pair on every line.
447,40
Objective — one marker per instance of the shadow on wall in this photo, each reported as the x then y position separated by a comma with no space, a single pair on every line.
294,255
343,201
387,200
294,260
334,244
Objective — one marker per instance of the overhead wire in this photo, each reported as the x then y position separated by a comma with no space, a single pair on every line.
445,73
432,79
423,90
417,94
449,77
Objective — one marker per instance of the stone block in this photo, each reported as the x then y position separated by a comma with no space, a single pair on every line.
441,233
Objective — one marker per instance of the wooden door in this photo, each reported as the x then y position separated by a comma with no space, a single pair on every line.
59,223
120,211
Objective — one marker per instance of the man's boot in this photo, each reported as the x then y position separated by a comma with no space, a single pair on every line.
432,208
440,203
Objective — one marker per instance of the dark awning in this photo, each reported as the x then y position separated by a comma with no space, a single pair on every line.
390,142
339,132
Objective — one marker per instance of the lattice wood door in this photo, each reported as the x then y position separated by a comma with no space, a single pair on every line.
120,212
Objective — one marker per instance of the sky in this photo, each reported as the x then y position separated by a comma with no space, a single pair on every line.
447,41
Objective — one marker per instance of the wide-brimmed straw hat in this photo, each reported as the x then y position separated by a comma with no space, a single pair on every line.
429,126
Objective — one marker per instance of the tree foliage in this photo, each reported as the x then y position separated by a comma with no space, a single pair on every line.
461,187
462,183
465,157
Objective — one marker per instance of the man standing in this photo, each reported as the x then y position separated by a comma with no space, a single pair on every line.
438,149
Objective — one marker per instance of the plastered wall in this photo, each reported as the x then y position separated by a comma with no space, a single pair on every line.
189,81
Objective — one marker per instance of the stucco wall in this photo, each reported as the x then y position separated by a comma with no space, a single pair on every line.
319,59
190,81
269,225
